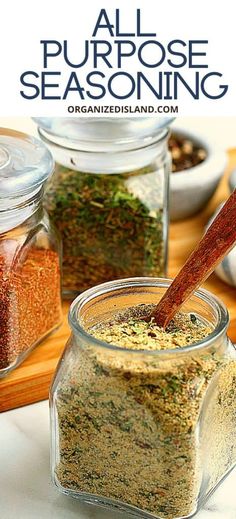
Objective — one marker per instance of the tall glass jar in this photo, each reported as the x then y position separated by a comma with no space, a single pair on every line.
30,303
151,433
109,197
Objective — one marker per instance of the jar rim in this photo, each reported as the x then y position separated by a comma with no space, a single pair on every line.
111,286
101,132
117,146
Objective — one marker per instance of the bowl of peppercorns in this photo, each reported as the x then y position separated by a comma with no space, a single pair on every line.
197,167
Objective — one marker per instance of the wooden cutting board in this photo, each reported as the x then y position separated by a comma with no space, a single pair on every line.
30,382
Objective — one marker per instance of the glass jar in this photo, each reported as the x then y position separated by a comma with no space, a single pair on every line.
109,197
30,304
151,433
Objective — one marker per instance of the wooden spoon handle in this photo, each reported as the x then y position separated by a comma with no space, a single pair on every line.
215,244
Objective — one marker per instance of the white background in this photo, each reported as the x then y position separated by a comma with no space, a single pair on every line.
24,23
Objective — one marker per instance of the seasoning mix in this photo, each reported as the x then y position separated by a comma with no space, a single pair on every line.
135,425
112,226
109,197
30,302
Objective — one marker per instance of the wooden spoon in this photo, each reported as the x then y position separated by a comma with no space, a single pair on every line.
215,244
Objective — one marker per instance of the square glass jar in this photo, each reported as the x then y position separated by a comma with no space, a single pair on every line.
151,433
109,197
30,250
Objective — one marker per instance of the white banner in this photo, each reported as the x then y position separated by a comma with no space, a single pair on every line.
117,58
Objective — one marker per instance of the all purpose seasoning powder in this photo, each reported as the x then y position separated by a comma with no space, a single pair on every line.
128,425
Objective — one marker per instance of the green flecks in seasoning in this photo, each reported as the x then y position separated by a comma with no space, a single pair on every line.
111,225
130,331
138,431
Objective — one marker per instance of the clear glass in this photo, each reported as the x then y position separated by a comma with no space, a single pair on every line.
30,299
109,199
97,131
149,433
30,250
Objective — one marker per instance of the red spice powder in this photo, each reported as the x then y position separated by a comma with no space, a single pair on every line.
30,302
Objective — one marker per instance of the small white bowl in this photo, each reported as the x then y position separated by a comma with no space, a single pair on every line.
232,181
191,189
226,270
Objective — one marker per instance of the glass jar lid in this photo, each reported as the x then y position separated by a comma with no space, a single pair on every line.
102,133
25,163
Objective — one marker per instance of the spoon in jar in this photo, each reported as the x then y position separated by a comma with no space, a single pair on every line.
215,244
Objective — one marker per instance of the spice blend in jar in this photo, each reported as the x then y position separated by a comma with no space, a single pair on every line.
143,416
109,197
30,300
111,225
30,305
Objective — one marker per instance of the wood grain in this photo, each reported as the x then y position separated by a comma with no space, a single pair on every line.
30,382
215,244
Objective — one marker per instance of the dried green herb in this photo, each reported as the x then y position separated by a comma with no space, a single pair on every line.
128,330
138,434
112,225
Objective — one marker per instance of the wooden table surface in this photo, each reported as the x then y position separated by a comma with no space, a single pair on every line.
30,382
